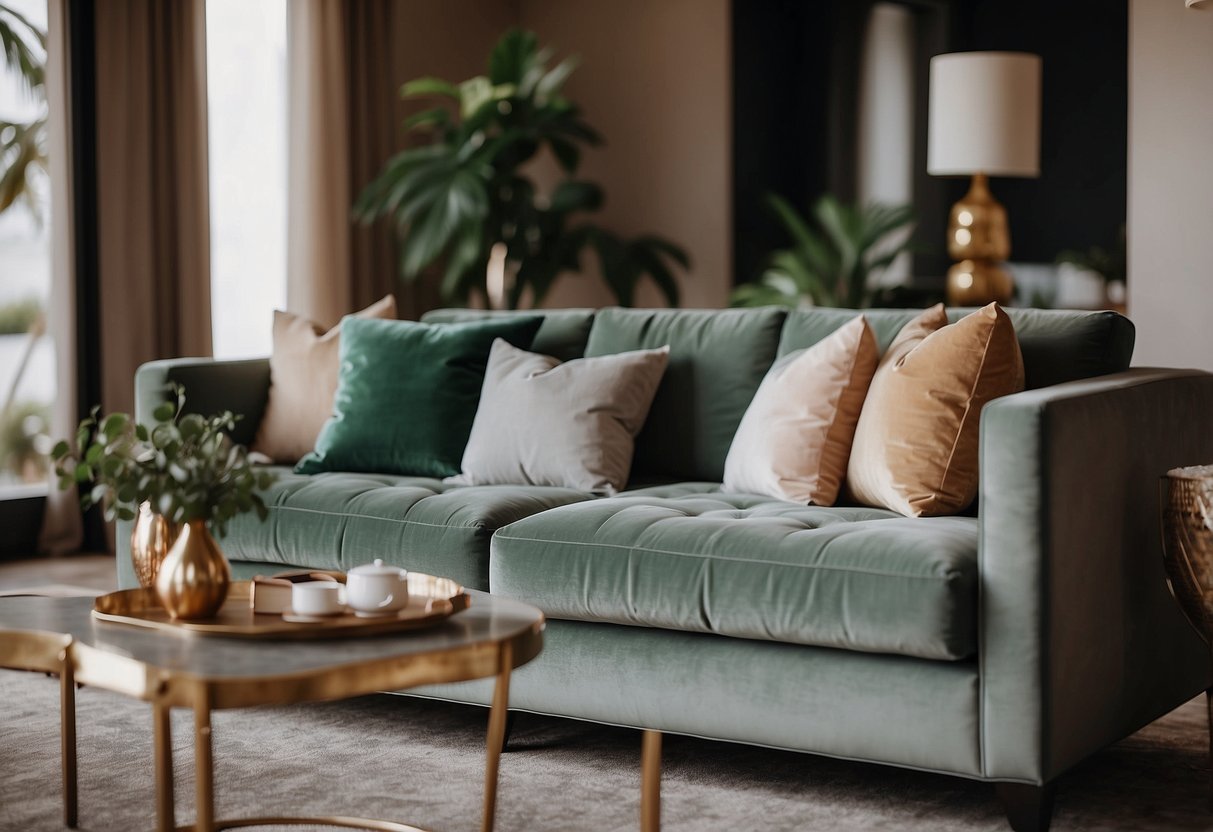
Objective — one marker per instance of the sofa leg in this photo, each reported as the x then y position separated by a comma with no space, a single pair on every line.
1028,808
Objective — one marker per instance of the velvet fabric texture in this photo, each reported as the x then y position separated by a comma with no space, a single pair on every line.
751,567
407,395
337,521
303,381
916,445
795,438
1058,345
562,335
859,706
717,361
571,425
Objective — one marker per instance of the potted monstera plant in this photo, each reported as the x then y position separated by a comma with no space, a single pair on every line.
467,192
179,477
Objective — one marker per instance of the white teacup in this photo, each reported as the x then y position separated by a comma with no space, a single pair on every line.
317,598
377,588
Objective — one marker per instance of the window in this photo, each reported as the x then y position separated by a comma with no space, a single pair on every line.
27,358
246,98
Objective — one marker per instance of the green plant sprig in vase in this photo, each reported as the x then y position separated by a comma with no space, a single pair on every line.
185,469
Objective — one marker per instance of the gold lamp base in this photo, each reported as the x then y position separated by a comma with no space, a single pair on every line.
978,282
980,239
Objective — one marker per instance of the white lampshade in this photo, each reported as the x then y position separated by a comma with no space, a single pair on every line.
984,114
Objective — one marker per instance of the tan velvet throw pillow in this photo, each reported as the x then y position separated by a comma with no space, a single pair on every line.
916,445
303,380
573,425
795,438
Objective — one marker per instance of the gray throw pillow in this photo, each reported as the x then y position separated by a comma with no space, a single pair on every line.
573,425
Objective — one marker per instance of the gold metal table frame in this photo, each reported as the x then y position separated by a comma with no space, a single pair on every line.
495,652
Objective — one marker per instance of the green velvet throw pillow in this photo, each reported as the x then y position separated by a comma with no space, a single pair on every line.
407,394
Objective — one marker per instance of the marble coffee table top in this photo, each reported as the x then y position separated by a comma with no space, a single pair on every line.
464,645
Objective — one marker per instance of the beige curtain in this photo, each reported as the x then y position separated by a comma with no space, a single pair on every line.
374,119
345,114
153,208
61,527
318,190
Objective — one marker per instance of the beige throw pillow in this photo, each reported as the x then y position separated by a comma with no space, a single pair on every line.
916,445
303,380
795,438
573,425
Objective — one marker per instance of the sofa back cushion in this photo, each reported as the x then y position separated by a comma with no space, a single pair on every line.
717,360
1058,345
563,333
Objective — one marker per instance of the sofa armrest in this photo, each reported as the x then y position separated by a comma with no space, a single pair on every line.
211,387
1081,642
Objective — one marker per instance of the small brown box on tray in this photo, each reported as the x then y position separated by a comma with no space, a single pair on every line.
272,595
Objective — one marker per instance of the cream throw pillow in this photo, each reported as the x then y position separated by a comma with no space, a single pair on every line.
916,445
795,438
573,425
303,379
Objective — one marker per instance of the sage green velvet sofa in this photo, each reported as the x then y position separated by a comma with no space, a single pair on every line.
1006,644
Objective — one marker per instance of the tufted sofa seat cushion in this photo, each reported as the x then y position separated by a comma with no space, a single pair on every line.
684,557
335,521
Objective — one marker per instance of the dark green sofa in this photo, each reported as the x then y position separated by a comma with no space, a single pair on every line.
1004,645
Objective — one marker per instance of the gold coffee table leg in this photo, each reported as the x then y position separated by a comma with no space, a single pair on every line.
67,737
497,718
204,774
650,783
162,732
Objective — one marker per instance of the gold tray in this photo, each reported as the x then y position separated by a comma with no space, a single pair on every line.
431,600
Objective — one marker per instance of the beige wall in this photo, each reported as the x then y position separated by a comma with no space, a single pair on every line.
1170,221
654,80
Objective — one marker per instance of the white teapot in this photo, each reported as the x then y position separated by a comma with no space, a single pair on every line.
376,588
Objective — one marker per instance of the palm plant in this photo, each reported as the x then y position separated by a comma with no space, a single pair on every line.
466,190
23,145
831,262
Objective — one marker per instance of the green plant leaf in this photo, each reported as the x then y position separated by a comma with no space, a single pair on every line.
567,154
552,82
429,86
113,425
164,412
513,55
434,117
463,202
20,43
475,93
648,254
571,195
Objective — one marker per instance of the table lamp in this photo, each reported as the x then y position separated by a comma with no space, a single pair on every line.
984,121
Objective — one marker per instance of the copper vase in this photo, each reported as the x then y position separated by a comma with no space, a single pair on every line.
195,577
151,538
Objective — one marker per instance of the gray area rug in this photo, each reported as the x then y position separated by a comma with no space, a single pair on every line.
422,762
